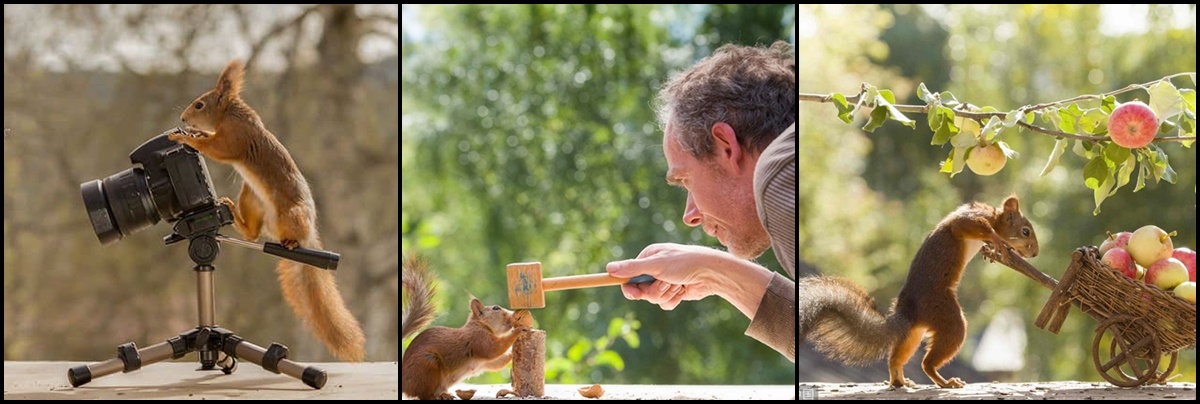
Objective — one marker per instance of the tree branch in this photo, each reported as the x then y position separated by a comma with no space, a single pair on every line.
982,116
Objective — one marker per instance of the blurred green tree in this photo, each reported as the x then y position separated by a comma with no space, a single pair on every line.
529,136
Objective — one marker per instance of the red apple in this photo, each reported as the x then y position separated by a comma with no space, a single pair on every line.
1132,125
1119,259
1119,240
1188,257
1166,273
1149,244
986,160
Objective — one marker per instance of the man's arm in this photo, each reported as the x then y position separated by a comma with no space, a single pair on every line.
686,272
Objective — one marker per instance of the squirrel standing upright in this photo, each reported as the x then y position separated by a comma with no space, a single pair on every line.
275,200
440,357
841,319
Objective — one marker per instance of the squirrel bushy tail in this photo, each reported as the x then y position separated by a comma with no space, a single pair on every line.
842,322
313,295
419,285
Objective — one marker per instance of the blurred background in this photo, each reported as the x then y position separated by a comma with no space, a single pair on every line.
529,136
86,84
868,200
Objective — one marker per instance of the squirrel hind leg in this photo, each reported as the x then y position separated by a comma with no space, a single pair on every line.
943,346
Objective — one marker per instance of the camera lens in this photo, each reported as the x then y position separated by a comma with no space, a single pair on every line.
119,205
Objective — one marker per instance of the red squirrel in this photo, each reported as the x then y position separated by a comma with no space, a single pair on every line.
440,356
274,201
841,319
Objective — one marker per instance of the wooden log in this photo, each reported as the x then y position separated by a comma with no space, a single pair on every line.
529,364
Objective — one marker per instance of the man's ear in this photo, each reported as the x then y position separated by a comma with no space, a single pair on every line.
728,151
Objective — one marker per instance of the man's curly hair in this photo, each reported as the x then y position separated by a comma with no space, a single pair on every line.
750,88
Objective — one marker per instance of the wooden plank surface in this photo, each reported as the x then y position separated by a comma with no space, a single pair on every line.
180,380
645,392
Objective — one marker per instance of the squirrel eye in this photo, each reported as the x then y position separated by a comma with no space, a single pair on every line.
199,105
495,307
1025,232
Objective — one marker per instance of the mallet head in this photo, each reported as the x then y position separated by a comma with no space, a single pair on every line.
525,286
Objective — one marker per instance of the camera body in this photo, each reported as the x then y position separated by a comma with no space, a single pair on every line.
168,181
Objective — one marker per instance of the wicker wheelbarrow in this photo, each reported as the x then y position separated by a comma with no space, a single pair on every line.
1139,323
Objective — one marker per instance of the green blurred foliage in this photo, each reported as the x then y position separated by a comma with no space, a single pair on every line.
528,135
869,199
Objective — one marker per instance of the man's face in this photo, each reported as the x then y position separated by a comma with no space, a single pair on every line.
720,191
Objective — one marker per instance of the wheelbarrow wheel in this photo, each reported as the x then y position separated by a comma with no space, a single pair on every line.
1123,362
1166,374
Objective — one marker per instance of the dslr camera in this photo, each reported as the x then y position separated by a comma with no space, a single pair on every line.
168,181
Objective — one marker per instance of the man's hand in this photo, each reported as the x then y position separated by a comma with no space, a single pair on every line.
686,272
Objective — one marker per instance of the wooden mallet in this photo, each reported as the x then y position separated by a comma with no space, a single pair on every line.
527,289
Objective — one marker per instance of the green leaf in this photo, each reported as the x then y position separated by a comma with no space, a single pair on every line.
1066,120
1115,154
1093,121
1165,100
954,162
1101,193
1011,118
1094,172
614,327
960,160
632,339
964,138
948,99
1108,104
1009,153
1141,180
1060,146
991,129
878,117
924,94
887,99
934,117
947,128
1187,129
845,111
1083,149
1124,172
581,347
1029,116
1189,99
610,358
1162,167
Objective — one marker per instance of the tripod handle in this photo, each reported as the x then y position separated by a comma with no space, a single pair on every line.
317,258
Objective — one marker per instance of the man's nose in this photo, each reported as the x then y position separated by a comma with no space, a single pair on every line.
691,214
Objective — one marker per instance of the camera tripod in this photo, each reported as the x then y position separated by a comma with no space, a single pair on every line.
216,345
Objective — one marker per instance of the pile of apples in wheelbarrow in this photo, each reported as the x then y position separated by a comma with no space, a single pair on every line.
1148,255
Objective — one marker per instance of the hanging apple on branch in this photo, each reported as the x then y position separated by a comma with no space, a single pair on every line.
1117,140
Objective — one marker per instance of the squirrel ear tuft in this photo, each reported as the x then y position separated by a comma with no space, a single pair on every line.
229,85
1011,204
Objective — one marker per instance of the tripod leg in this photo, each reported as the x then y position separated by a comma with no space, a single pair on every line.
273,359
128,359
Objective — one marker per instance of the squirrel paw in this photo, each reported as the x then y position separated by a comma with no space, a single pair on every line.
444,396
176,137
290,244
953,383
906,383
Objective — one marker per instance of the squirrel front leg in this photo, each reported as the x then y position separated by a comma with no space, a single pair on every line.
495,348
248,216
979,228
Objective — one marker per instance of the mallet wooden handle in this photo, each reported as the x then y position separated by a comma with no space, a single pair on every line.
589,281
527,289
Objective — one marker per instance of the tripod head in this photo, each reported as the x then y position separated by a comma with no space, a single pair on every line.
201,228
